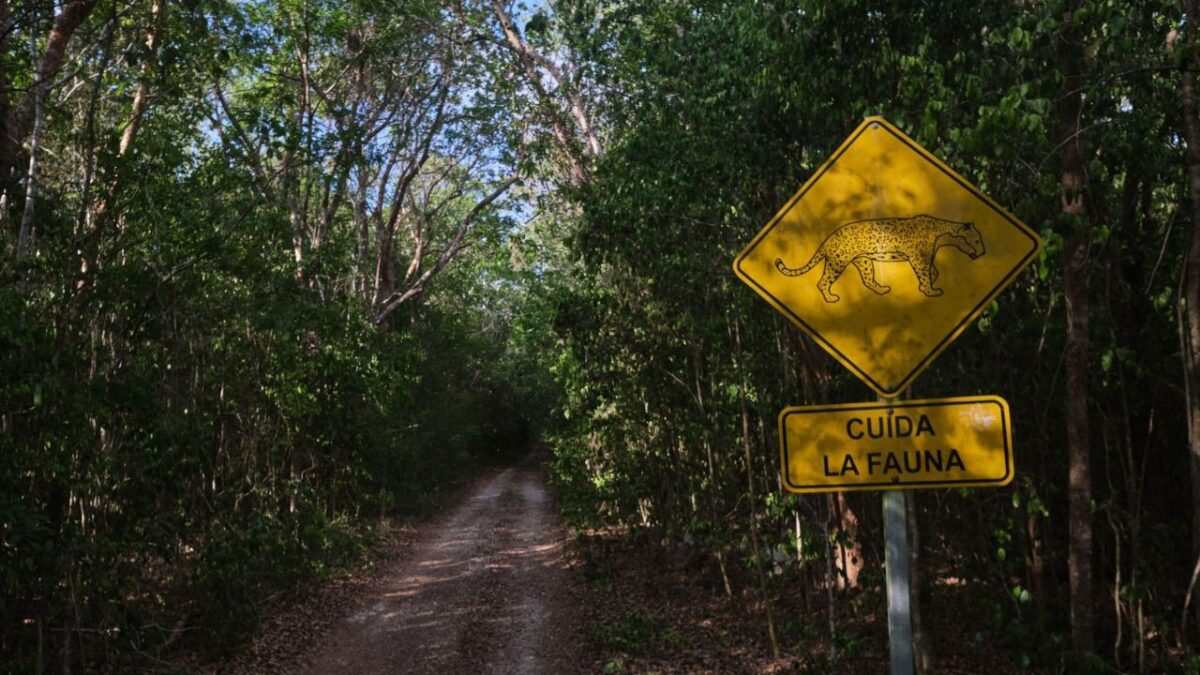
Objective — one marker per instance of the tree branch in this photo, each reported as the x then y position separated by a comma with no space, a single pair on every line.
453,249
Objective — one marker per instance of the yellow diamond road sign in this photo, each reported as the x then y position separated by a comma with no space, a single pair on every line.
885,255
949,442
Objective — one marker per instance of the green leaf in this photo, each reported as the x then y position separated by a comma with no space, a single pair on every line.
537,24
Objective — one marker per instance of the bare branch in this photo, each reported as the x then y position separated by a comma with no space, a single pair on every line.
142,97
248,147
530,57
455,247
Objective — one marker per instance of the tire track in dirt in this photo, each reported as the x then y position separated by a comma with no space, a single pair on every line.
484,588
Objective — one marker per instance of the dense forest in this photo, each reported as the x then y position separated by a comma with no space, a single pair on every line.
272,272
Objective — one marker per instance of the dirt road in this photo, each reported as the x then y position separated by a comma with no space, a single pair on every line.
485,588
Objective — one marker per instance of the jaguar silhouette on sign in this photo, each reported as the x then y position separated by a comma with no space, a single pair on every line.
914,240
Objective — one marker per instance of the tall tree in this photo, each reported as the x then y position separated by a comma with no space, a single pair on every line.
17,116
555,85
1074,195
1190,324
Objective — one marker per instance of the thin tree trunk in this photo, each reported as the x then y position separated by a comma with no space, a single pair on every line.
1075,294
1035,568
88,143
829,580
362,237
1191,275
1187,601
19,117
921,655
849,549
141,98
5,34
25,238
750,493
6,24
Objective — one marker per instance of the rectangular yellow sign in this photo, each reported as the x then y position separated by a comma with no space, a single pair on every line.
901,445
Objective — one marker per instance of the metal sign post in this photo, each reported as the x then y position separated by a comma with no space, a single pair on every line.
895,530
895,538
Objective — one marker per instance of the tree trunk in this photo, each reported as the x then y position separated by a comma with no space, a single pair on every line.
1190,330
1075,290
751,495
141,98
848,548
25,237
6,23
1075,294
385,273
1035,568
20,116
917,585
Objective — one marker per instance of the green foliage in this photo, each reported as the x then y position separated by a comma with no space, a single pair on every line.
669,368
190,421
